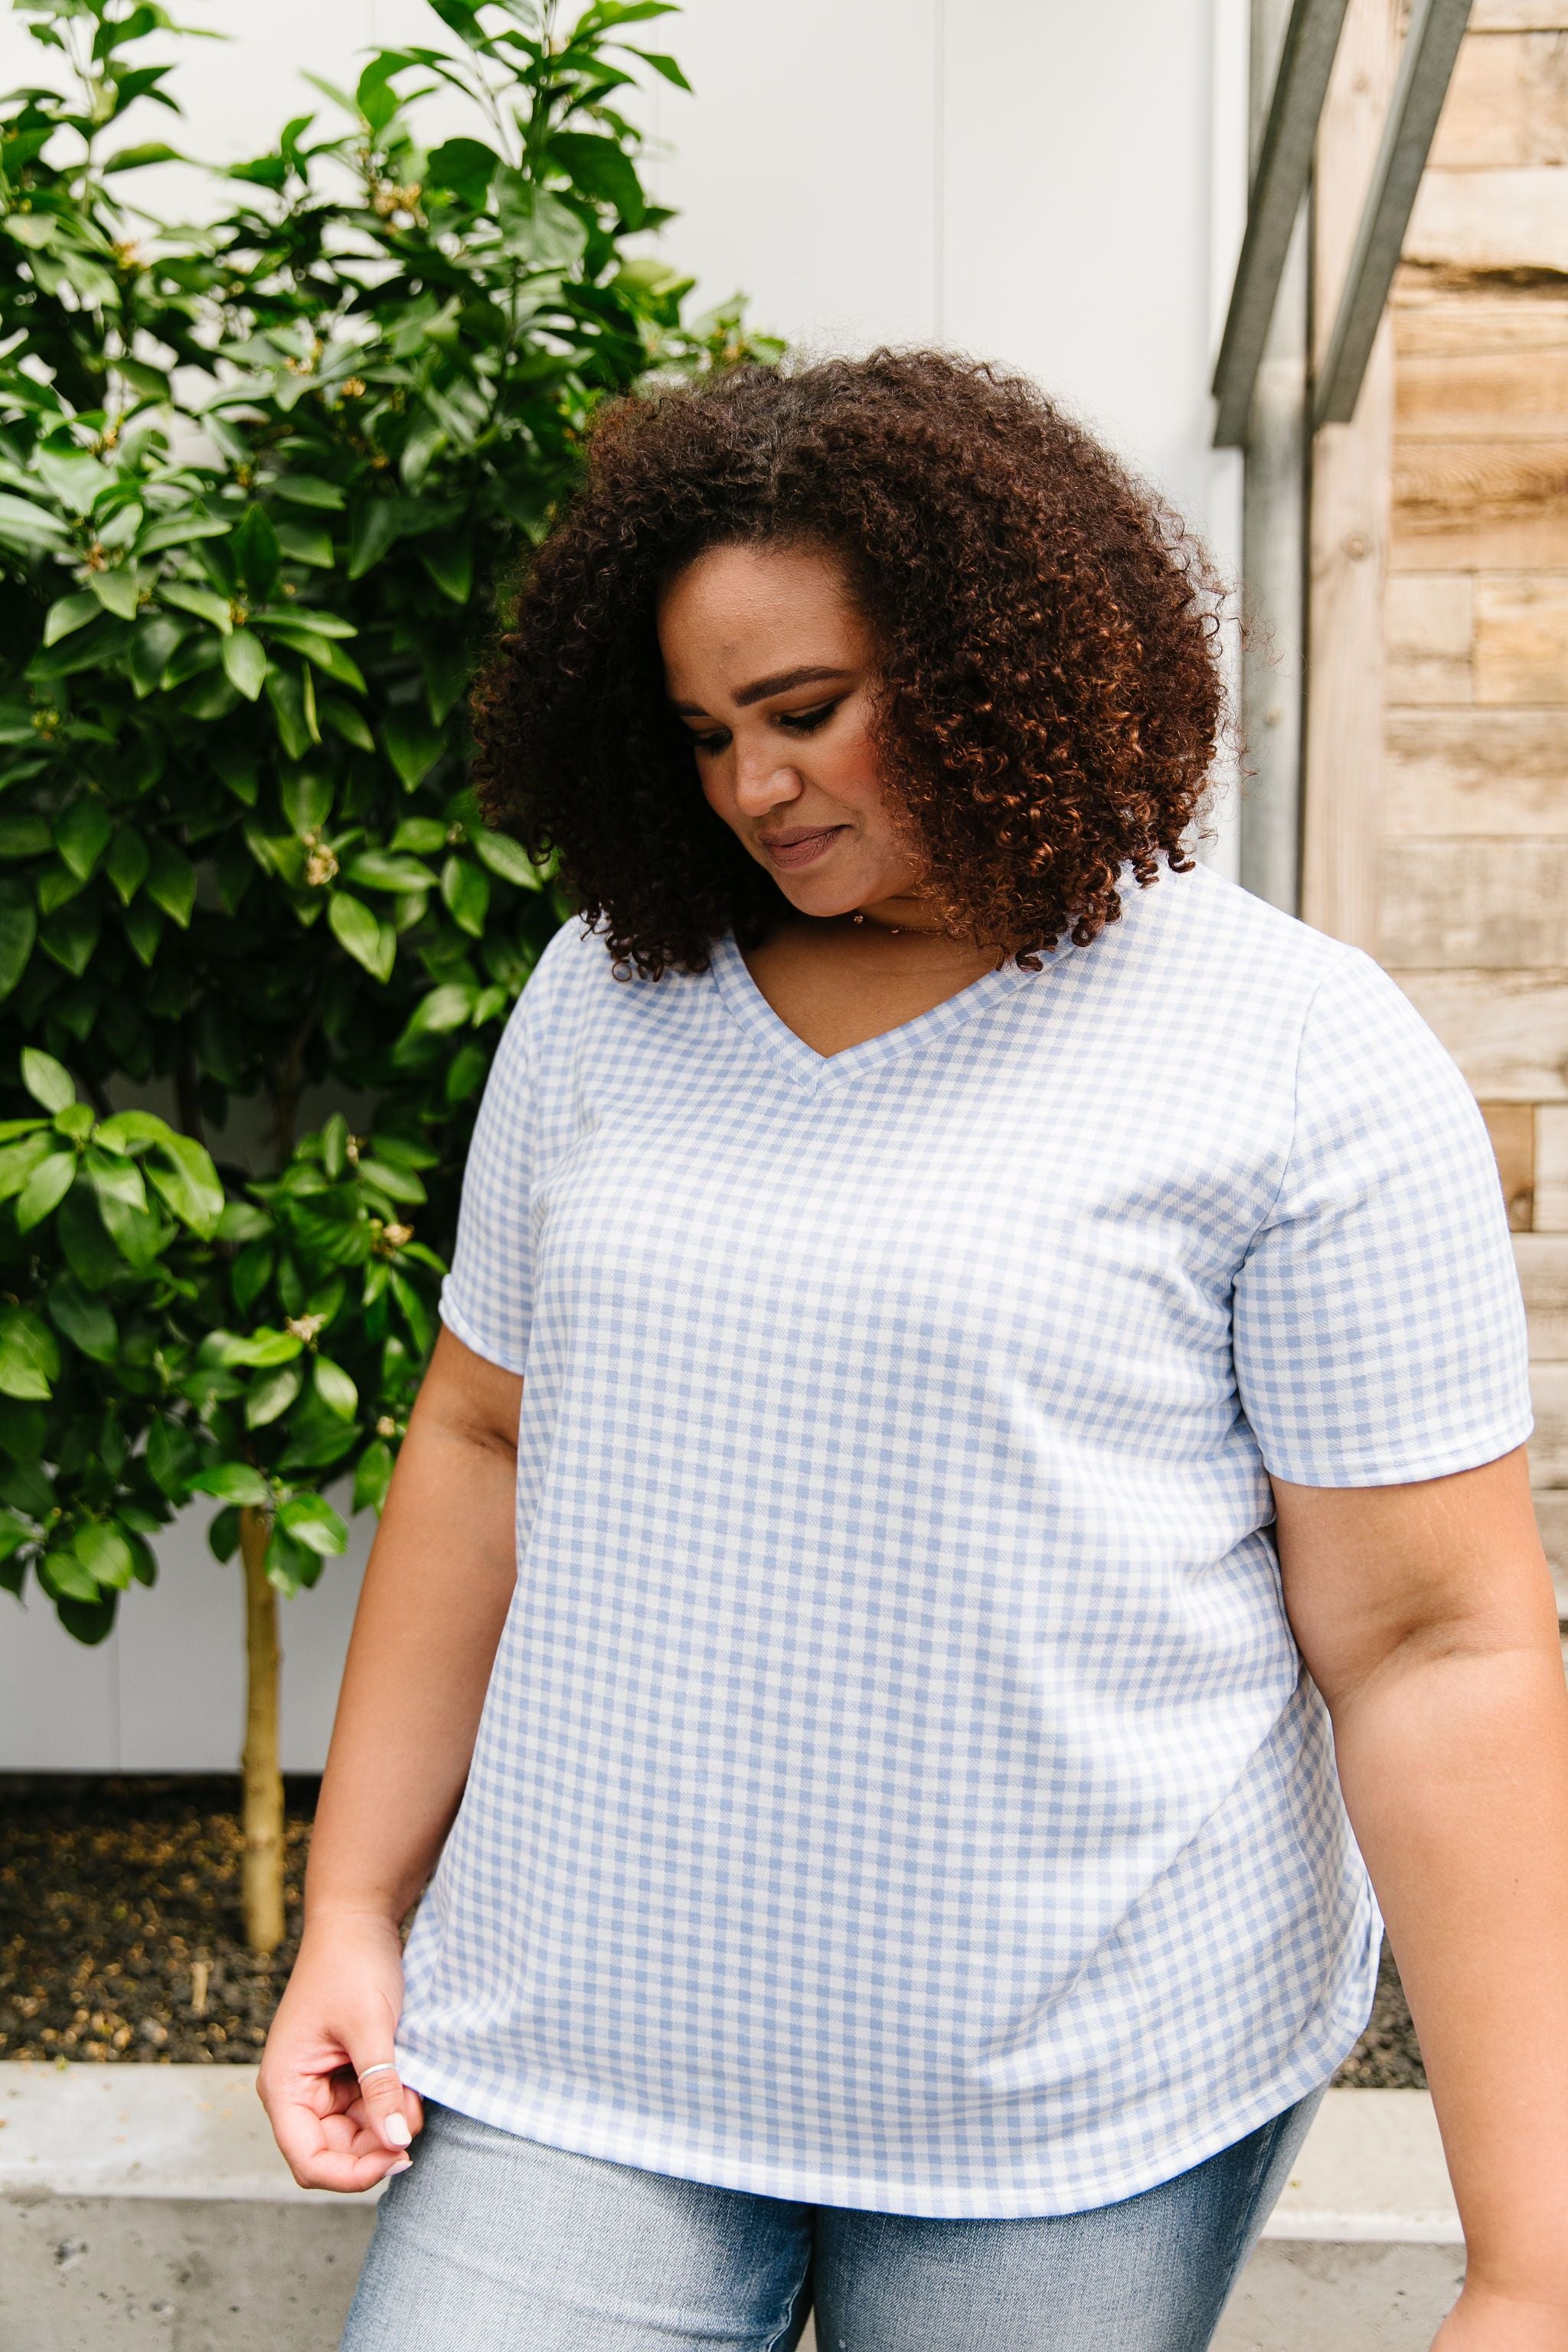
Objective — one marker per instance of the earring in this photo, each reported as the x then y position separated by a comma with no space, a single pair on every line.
856,919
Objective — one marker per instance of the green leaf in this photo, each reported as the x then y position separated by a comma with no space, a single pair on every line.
184,1179
127,863
70,612
372,1475
223,1536
506,857
369,941
134,159
450,563
85,1320
271,1395
47,1081
234,1482
170,880
158,636
29,1354
144,928
18,1161
308,1520
307,490
664,65
335,1389
18,930
260,1352
413,745
131,1131
203,601
69,937
443,1009
384,869
304,543
170,1458
257,552
286,693
345,720
104,1553
25,836
376,523
82,835
45,1189
25,526
464,167
64,1577
245,663
467,893
116,592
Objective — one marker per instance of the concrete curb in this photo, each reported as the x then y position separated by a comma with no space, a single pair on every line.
145,2208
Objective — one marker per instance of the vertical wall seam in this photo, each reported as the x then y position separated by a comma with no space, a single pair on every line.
939,170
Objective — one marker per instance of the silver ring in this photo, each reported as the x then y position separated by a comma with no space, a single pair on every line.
387,2066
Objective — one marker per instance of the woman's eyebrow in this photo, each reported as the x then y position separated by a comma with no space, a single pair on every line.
759,689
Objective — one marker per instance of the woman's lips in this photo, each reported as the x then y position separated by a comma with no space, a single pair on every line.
801,848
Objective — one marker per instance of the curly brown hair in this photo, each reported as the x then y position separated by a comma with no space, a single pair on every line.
1049,690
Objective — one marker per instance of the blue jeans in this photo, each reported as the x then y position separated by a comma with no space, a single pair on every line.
493,2243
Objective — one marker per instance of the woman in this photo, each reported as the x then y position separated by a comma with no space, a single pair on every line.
986,1302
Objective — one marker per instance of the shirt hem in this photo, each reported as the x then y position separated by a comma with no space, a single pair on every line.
568,2126
458,1323
1444,1462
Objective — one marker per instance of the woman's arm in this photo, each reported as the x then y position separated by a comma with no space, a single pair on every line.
436,1596
1425,1615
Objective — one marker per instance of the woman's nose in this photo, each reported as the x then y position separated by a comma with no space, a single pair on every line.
764,781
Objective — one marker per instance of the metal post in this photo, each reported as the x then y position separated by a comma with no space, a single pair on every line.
1273,538
1303,43
1426,65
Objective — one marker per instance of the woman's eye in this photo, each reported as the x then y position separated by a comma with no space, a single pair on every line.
806,722
709,742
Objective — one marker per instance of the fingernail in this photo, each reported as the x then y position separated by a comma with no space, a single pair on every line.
395,2129
404,2164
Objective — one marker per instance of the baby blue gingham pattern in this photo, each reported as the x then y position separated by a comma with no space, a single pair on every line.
897,1786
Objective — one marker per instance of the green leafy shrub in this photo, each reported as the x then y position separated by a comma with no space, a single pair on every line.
259,484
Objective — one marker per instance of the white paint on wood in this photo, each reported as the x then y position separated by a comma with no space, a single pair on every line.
1476,772
1491,220
1427,621
1349,529
1474,903
1507,1031
1549,1446
1551,1169
1521,639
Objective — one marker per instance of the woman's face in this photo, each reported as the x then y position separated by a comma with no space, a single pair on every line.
773,672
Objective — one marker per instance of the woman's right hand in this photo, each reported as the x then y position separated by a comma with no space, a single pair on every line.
336,2022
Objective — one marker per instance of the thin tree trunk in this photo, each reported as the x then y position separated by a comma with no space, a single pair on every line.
262,1815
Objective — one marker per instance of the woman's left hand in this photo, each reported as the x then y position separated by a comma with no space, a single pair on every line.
1483,2320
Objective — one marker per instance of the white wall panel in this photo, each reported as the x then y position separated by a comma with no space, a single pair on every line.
1037,181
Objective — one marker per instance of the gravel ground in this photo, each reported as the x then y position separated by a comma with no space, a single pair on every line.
120,1930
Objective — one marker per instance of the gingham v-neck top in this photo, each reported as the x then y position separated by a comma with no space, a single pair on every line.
897,1787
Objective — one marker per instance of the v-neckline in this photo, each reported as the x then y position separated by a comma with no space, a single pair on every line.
750,1010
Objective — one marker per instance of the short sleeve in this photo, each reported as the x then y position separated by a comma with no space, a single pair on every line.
1379,1331
486,1299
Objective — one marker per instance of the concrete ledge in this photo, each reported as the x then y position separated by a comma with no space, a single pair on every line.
145,2208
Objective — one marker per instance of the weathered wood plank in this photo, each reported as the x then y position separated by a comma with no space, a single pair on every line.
1474,905
1521,637
1477,506
1519,395
1482,221
1542,1263
1507,1031
1431,320
1519,15
1476,772
1506,105
1551,1169
1427,621
1347,564
1511,1127
1549,1446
